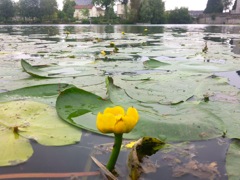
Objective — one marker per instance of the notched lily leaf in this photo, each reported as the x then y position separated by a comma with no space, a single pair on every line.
152,63
45,93
56,71
233,160
23,120
137,163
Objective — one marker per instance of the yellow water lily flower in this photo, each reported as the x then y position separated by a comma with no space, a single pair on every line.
123,33
112,44
103,53
67,32
115,120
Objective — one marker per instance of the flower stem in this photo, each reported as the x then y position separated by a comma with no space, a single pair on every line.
115,152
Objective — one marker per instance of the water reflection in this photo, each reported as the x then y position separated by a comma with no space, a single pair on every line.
223,29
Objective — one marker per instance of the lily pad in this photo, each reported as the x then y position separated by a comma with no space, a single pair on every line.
233,160
56,71
176,123
23,120
153,63
46,93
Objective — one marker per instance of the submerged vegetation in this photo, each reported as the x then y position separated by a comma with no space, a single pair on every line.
59,84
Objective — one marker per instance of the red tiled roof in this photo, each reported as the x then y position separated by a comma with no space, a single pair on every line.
84,6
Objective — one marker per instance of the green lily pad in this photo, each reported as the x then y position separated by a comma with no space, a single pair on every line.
233,160
46,93
176,123
23,120
152,63
75,102
56,71
14,148
176,87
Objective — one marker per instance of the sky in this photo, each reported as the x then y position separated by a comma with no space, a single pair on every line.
190,4
172,4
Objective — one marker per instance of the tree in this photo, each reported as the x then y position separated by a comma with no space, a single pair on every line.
179,16
227,4
29,8
214,6
48,8
145,14
158,11
152,11
134,11
234,5
68,8
108,5
85,12
6,9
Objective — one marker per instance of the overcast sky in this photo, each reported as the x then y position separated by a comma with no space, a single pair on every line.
171,4
190,4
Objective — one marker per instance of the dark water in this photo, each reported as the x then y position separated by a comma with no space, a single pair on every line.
76,158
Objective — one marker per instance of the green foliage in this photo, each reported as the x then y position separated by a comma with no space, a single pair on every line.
179,16
68,8
48,8
104,3
227,4
145,12
29,8
6,9
214,6
158,11
148,11
61,15
85,12
108,5
134,11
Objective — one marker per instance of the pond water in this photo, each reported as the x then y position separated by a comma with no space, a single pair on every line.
49,44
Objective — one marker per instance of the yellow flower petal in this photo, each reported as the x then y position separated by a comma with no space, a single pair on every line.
133,112
120,127
114,120
105,122
103,53
131,144
117,110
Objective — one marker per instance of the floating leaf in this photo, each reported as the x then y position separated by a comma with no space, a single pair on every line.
14,149
152,63
45,93
233,160
176,123
75,106
22,120
57,71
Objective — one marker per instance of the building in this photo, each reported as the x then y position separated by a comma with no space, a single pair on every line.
195,14
84,9
123,7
